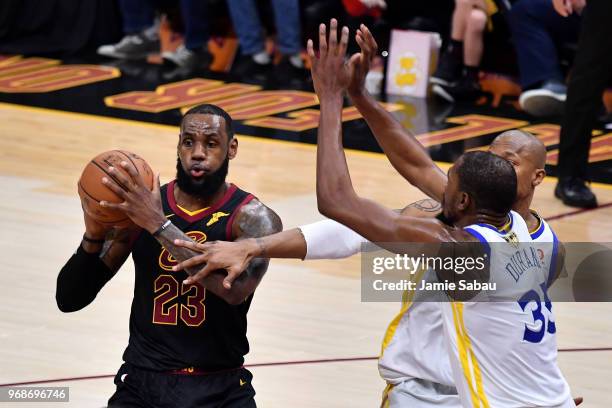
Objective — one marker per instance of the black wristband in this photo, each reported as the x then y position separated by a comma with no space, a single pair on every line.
162,228
93,241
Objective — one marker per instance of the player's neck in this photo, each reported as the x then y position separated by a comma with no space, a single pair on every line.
498,221
193,203
522,207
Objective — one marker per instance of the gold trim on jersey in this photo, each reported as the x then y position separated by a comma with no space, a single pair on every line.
505,228
478,396
192,213
385,397
535,214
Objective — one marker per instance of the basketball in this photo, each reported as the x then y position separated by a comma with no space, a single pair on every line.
92,191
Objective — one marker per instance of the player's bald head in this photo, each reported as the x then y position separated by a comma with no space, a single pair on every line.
523,144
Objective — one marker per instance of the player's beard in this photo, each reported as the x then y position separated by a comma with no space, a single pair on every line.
206,186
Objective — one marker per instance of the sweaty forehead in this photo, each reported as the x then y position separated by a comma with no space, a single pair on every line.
203,123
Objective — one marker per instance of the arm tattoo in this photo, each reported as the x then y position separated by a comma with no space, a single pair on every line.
166,239
256,220
426,205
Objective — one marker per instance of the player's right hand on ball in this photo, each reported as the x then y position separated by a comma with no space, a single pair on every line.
234,257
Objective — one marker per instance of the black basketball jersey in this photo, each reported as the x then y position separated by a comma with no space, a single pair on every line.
175,326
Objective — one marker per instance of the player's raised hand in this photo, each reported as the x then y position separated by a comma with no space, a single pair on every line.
331,74
142,205
234,257
359,64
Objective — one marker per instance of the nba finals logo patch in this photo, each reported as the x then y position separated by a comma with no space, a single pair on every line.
167,261
512,239
215,217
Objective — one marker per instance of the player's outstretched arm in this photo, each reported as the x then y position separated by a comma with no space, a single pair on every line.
402,148
235,257
326,239
336,197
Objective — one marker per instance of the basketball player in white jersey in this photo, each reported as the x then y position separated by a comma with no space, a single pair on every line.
413,361
481,190
503,352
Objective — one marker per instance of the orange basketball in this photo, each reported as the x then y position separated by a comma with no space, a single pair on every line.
92,191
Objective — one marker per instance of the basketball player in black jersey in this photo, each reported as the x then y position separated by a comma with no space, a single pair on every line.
187,340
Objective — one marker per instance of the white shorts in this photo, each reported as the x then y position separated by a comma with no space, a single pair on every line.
415,393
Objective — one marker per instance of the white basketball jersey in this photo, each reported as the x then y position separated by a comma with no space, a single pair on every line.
414,346
504,354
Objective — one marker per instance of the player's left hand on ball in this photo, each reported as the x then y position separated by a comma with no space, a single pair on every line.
142,205
234,257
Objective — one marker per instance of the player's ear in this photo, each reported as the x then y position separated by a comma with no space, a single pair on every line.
538,177
233,148
464,201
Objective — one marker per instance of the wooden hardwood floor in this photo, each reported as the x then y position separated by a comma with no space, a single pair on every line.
302,310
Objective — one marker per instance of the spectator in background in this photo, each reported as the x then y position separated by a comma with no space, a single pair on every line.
591,73
537,30
457,74
251,37
142,33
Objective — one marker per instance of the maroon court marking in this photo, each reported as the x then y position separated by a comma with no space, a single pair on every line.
276,363
576,212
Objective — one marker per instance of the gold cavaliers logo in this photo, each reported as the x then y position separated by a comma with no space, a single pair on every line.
215,217
167,261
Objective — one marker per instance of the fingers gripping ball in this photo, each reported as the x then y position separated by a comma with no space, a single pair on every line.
92,191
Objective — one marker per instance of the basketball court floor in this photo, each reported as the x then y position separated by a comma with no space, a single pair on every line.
313,341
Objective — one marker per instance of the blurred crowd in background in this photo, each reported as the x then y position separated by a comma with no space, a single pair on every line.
535,42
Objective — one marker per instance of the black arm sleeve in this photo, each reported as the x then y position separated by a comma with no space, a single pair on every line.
80,280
